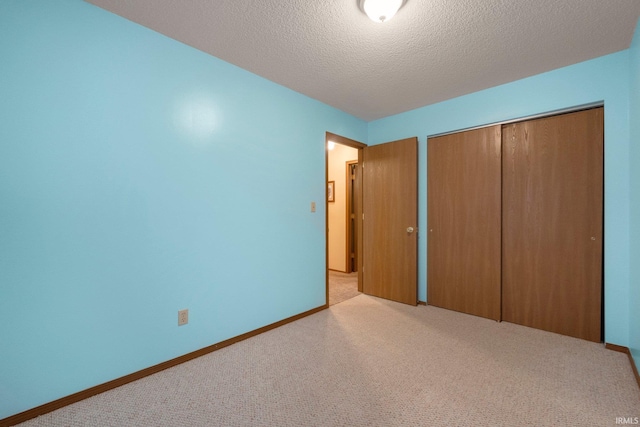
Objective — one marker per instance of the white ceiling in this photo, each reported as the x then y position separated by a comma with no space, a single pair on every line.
431,51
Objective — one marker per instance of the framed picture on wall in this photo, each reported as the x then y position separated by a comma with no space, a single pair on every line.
330,191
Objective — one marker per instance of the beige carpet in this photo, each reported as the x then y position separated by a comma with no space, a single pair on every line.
370,362
342,286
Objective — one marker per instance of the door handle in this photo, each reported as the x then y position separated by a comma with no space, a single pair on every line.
409,230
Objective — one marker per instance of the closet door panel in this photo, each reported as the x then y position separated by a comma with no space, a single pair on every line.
463,215
552,223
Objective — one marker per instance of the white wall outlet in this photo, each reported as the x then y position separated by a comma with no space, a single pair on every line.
183,317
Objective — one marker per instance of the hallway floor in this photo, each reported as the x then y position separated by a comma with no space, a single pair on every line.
342,286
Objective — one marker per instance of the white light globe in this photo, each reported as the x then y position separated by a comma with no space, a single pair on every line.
381,10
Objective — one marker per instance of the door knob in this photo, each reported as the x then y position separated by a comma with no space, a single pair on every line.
409,230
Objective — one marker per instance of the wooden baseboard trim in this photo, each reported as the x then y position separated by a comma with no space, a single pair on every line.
101,388
626,350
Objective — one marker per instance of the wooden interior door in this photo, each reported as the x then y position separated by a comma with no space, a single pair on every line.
552,223
390,207
351,219
359,206
464,211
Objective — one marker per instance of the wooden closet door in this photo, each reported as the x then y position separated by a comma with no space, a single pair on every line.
552,223
463,215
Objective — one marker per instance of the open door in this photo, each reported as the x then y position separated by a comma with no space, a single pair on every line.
390,221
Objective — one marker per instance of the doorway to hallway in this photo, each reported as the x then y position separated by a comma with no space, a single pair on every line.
343,207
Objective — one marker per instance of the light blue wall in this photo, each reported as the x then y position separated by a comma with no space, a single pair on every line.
634,300
139,176
602,79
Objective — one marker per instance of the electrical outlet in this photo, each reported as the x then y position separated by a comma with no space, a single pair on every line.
183,317
313,206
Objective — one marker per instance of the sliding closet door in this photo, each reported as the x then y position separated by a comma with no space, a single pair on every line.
463,214
552,223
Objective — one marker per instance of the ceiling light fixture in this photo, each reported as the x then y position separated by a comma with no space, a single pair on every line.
380,10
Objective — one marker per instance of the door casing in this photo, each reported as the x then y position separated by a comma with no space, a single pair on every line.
359,146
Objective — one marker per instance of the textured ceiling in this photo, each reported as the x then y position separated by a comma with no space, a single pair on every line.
432,50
